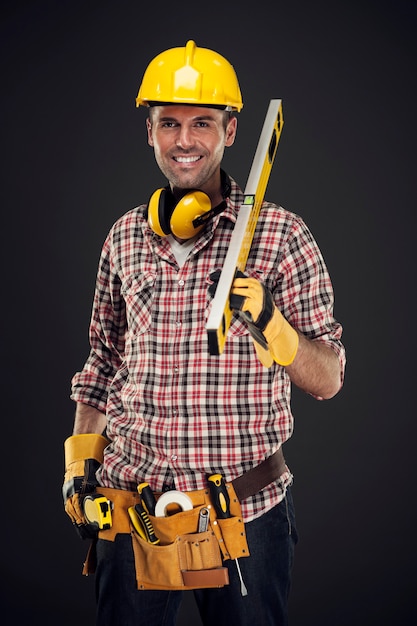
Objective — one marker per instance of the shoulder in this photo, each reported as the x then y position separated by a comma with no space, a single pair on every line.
279,224
277,213
134,216
129,224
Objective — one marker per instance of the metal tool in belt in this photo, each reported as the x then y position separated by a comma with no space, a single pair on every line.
220,316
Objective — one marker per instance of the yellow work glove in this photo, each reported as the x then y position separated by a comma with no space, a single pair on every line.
83,457
267,325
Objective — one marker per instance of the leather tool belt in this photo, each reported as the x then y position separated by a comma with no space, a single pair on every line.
185,558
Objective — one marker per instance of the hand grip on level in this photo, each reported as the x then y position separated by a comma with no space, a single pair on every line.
219,496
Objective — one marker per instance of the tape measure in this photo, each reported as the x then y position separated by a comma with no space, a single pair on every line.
97,511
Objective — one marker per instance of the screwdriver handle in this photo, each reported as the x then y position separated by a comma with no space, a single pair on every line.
219,495
142,523
148,497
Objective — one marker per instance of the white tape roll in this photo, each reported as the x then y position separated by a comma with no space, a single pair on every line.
172,497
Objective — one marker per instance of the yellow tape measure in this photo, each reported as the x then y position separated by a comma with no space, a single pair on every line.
97,511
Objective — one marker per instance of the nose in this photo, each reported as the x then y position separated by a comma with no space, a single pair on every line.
184,138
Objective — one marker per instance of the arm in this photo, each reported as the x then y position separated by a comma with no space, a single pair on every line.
88,420
107,330
311,364
307,341
84,450
316,369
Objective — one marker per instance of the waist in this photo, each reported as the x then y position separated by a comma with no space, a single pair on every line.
246,487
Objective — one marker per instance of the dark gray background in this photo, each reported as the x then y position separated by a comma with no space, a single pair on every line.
74,158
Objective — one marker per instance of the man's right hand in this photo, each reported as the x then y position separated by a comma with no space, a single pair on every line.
83,457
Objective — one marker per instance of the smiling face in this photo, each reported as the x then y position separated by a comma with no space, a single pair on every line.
189,143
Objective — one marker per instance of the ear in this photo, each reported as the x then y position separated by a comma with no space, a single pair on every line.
149,131
231,130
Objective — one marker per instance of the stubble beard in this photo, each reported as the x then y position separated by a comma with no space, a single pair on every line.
187,179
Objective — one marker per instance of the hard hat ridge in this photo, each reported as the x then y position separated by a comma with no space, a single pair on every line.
190,75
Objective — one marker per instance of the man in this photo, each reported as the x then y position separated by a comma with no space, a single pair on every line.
172,414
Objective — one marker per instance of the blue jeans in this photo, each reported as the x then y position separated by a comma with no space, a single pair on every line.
266,574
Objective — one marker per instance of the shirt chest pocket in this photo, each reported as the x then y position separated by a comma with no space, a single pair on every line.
138,294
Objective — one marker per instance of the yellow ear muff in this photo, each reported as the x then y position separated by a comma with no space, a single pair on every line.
191,206
166,217
160,207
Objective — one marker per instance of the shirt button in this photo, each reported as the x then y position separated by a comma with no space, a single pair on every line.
177,324
176,369
174,457
181,283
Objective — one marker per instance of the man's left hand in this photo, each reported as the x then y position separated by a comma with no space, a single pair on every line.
265,322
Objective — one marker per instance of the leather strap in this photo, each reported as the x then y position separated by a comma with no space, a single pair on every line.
254,480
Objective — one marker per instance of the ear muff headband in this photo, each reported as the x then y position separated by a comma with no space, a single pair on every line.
166,217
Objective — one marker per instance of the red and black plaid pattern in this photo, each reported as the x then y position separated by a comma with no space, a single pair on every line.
175,413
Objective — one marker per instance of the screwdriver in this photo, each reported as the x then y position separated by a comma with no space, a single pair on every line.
221,502
142,523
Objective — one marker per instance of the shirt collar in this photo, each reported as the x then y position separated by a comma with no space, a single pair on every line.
234,201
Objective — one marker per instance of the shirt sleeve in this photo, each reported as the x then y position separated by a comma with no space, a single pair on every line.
107,331
305,291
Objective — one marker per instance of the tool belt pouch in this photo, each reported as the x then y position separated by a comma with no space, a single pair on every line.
191,561
184,558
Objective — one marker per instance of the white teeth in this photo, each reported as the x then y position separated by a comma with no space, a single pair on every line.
187,159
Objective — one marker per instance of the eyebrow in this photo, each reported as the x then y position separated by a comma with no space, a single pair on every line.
197,118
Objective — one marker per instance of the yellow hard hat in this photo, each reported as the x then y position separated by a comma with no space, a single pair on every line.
190,75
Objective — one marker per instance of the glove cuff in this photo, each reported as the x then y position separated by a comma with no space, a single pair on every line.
86,446
282,339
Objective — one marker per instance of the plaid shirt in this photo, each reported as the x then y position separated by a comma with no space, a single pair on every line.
174,412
